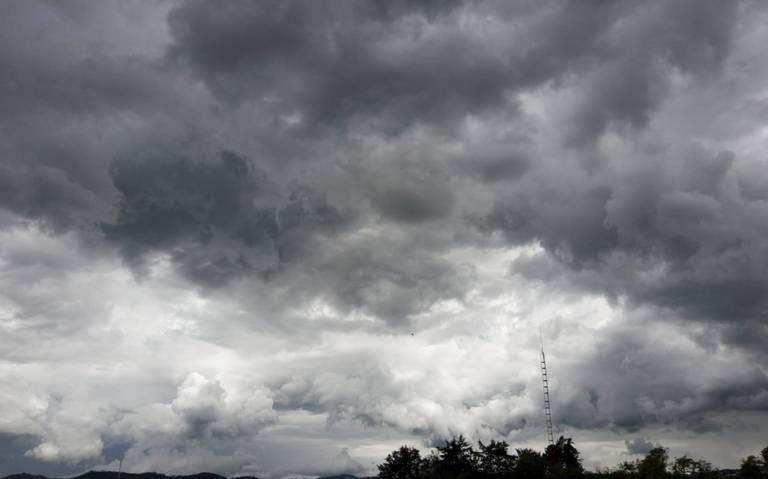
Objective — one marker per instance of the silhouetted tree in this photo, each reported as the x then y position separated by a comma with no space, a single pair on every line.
494,460
755,467
751,468
682,467
654,464
626,469
429,466
456,459
764,455
530,464
404,463
562,459
687,467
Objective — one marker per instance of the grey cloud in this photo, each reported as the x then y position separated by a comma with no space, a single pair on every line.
53,66
343,60
355,281
754,187
383,278
632,381
639,445
696,228
217,219
13,460
44,299
353,68
369,392
69,101
45,193
674,233
637,54
411,198
571,225
497,166
391,71
93,87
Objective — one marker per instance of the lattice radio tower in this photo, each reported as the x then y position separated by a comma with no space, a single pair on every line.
545,384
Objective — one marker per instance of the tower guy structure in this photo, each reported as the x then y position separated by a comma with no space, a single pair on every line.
545,384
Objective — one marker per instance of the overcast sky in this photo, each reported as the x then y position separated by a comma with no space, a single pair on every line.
288,237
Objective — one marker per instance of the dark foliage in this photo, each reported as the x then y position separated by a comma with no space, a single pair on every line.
530,463
755,467
456,459
562,460
654,464
494,460
404,463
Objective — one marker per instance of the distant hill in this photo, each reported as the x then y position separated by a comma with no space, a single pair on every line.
126,475
24,475
155,475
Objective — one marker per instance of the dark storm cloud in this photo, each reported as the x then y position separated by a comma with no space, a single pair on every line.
388,67
412,195
636,56
688,222
91,86
44,193
217,219
633,380
67,105
349,62
570,225
344,61
496,166
52,67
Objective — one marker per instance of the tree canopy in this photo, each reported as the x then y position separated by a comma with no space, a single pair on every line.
457,459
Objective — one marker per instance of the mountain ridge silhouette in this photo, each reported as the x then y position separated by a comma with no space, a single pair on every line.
151,475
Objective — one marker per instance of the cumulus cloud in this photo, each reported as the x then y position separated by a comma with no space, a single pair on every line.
203,417
205,409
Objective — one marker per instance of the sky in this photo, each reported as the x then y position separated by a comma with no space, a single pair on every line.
287,237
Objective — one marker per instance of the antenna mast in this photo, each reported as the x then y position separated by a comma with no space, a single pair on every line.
545,384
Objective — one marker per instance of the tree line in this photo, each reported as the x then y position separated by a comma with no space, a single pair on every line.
457,459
